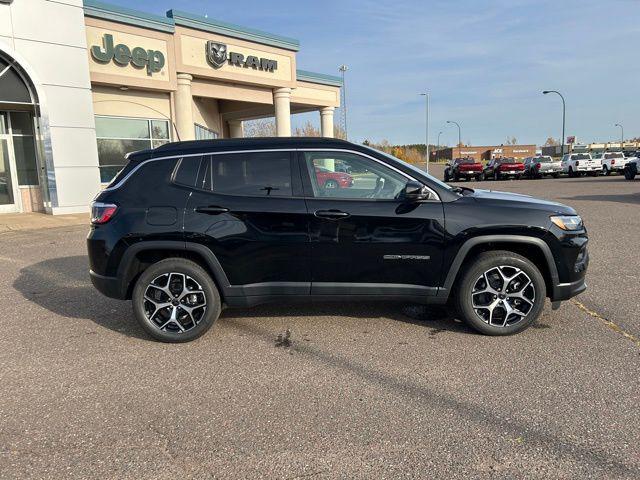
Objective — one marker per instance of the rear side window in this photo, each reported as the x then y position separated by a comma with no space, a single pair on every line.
187,171
264,174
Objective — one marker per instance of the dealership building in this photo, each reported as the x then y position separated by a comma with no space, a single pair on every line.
485,153
83,83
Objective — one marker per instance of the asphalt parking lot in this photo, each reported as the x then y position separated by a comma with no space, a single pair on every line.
324,391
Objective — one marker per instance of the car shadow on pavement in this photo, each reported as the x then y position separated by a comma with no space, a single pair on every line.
631,198
62,286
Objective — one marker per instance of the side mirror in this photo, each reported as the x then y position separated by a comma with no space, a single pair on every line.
414,191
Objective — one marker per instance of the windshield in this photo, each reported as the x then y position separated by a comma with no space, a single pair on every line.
413,168
545,159
581,156
466,161
613,155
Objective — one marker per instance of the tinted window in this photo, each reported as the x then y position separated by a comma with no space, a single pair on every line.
613,155
581,156
187,171
256,174
347,175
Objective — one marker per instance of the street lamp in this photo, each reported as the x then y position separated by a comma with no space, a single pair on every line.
342,69
621,134
564,109
426,96
459,134
439,133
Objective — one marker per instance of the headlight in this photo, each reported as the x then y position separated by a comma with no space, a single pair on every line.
567,222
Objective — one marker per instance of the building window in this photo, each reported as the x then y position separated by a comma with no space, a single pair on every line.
118,136
204,133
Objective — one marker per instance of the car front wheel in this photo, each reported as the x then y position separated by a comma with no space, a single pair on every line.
630,172
500,293
175,300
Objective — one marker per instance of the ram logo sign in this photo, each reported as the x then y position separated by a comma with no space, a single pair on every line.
218,54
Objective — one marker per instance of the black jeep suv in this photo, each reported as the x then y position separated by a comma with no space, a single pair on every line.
189,227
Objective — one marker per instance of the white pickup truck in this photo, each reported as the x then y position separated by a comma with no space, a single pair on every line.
611,162
575,164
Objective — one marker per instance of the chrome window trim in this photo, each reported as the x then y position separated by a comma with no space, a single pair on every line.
259,150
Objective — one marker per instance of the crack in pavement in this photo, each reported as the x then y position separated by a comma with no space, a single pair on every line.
612,325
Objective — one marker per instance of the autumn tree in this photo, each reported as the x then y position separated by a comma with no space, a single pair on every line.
551,142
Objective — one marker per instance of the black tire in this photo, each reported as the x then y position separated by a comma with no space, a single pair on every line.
456,177
571,172
605,171
478,177
630,172
331,184
195,328
496,175
482,177
555,175
446,176
473,273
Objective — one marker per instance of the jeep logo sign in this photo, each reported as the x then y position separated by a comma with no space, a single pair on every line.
218,55
122,55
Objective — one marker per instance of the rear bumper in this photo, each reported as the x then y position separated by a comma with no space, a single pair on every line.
108,286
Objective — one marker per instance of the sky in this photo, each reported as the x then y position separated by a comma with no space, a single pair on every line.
484,63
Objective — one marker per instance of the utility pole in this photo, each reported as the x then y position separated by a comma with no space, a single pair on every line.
342,69
426,96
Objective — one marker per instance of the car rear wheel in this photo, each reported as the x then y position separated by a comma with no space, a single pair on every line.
571,174
331,184
175,300
630,172
500,293
605,170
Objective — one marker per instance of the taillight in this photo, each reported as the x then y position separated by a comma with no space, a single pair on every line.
577,163
613,161
538,166
102,212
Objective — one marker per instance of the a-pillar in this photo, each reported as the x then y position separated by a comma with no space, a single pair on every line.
184,111
235,129
282,104
326,121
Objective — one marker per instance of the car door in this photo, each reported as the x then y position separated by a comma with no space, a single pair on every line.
364,240
247,209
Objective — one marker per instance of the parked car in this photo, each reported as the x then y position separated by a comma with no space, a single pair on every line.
499,168
611,162
538,167
189,227
463,168
330,179
575,164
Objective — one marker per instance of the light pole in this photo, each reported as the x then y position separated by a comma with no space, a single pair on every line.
426,96
621,135
438,145
459,132
564,110
439,133
343,69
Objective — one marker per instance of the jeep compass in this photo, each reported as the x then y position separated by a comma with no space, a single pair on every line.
189,228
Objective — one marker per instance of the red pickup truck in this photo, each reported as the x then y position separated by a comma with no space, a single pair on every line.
499,168
463,168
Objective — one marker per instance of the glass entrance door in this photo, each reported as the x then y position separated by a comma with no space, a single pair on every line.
9,195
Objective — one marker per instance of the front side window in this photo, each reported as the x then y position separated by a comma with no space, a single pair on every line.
263,174
118,136
347,175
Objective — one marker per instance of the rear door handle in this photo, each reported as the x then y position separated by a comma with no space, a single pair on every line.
331,214
211,210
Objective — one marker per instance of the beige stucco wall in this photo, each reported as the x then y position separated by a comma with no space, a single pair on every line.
130,103
206,113
314,94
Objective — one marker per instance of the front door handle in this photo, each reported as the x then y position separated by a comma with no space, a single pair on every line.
331,214
211,210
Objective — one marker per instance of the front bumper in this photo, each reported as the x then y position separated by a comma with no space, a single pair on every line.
565,291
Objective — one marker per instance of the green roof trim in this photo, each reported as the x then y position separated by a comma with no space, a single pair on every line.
200,22
106,11
320,78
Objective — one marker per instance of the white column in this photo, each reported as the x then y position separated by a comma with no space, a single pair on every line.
282,104
326,121
235,129
184,111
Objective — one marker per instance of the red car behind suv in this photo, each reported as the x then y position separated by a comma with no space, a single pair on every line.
328,179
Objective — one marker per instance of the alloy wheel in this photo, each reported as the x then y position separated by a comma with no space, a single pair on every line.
503,296
174,302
